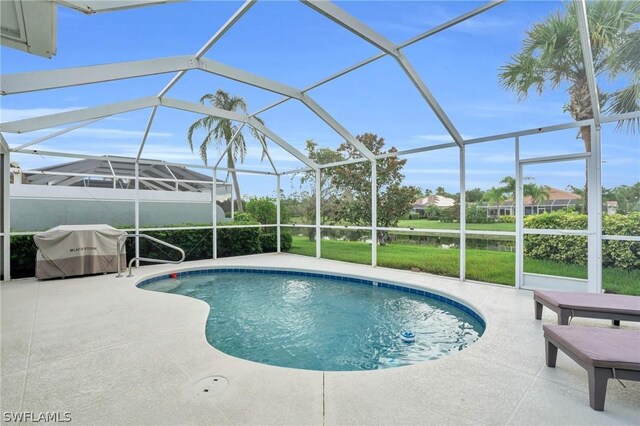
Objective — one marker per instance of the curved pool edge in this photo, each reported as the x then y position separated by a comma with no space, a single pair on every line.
418,289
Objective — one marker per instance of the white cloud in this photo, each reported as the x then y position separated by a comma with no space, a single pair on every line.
506,109
440,137
13,114
86,135
499,173
105,133
441,171
620,161
277,157
432,15
173,154
484,24
484,159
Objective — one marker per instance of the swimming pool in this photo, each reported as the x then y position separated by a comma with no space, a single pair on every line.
323,322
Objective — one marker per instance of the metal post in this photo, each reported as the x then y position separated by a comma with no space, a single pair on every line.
214,212
594,208
318,199
463,216
137,209
233,209
374,213
5,266
278,230
519,213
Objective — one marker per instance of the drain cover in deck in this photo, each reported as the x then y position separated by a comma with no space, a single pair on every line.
211,385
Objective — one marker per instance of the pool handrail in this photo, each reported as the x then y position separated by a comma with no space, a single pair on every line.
123,237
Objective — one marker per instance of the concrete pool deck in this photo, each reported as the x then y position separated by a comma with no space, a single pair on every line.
110,353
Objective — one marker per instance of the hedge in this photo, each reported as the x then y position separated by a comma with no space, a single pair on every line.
23,256
196,244
269,241
573,249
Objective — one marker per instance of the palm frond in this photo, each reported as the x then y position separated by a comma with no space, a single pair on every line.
260,138
551,55
521,74
195,126
203,149
222,130
623,101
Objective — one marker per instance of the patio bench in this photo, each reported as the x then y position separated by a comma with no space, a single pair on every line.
588,305
604,352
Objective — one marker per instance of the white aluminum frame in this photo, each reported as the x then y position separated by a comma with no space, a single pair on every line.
5,209
180,65
593,234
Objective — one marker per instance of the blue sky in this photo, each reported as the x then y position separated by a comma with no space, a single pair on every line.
288,42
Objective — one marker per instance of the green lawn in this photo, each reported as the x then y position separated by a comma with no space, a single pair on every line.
435,224
482,265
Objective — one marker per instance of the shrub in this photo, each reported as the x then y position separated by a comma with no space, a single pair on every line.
238,241
23,256
243,217
269,241
572,249
414,215
196,244
264,210
622,254
507,219
477,214
451,214
433,212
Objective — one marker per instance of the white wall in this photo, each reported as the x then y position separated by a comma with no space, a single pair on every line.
39,207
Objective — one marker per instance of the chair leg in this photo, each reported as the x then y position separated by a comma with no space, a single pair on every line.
598,387
551,353
538,309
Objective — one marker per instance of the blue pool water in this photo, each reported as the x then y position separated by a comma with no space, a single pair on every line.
320,323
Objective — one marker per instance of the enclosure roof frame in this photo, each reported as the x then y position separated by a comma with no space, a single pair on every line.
44,80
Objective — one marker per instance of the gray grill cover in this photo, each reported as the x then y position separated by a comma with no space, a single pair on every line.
70,250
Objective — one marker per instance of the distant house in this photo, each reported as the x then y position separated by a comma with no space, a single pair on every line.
556,199
612,207
421,204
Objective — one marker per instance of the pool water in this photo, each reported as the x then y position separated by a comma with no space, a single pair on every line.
324,324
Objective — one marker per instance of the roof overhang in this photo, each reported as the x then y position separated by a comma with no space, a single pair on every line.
30,26
97,6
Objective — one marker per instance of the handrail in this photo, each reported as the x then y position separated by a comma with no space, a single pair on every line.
150,238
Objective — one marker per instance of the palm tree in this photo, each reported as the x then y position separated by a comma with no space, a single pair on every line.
538,193
509,188
494,195
221,130
551,55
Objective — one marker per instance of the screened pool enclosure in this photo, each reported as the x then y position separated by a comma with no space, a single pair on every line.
456,241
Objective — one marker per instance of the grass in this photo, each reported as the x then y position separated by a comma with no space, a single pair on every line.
436,225
482,265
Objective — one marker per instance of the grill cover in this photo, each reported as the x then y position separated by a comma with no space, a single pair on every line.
71,250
